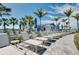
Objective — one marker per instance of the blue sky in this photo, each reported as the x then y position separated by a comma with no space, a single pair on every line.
54,9
24,9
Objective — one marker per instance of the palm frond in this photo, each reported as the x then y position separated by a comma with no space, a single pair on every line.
56,18
68,12
40,13
5,21
13,21
4,10
76,16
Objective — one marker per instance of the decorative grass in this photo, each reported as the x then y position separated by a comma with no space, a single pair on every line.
17,37
76,40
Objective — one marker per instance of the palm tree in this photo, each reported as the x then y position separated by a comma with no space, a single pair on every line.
5,23
77,18
4,10
13,21
40,13
30,23
23,23
56,19
68,13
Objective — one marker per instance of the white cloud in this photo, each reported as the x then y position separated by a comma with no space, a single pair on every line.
51,12
50,16
60,9
52,7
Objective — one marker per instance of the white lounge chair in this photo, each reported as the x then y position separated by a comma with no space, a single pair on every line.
10,50
13,50
7,49
31,42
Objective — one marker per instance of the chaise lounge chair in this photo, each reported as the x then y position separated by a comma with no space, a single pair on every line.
7,49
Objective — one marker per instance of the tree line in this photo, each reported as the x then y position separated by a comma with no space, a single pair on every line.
29,20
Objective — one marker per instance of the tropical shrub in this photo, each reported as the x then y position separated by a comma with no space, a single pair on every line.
31,37
17,37
76,40
7,31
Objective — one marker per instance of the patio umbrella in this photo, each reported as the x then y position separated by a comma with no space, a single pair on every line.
52,26
58,26
35,24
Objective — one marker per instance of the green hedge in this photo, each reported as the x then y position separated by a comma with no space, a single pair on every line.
76,40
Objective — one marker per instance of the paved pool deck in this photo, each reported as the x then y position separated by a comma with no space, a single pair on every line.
63,46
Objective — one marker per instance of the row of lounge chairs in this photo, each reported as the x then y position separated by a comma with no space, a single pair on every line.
35,45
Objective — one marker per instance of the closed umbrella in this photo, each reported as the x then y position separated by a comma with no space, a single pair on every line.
35,24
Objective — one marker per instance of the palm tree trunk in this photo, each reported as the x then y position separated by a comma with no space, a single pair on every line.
13,29
69,24
29,27
62,28
40,24
4,27
19,28
23,28
56,26
65,27
77,25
